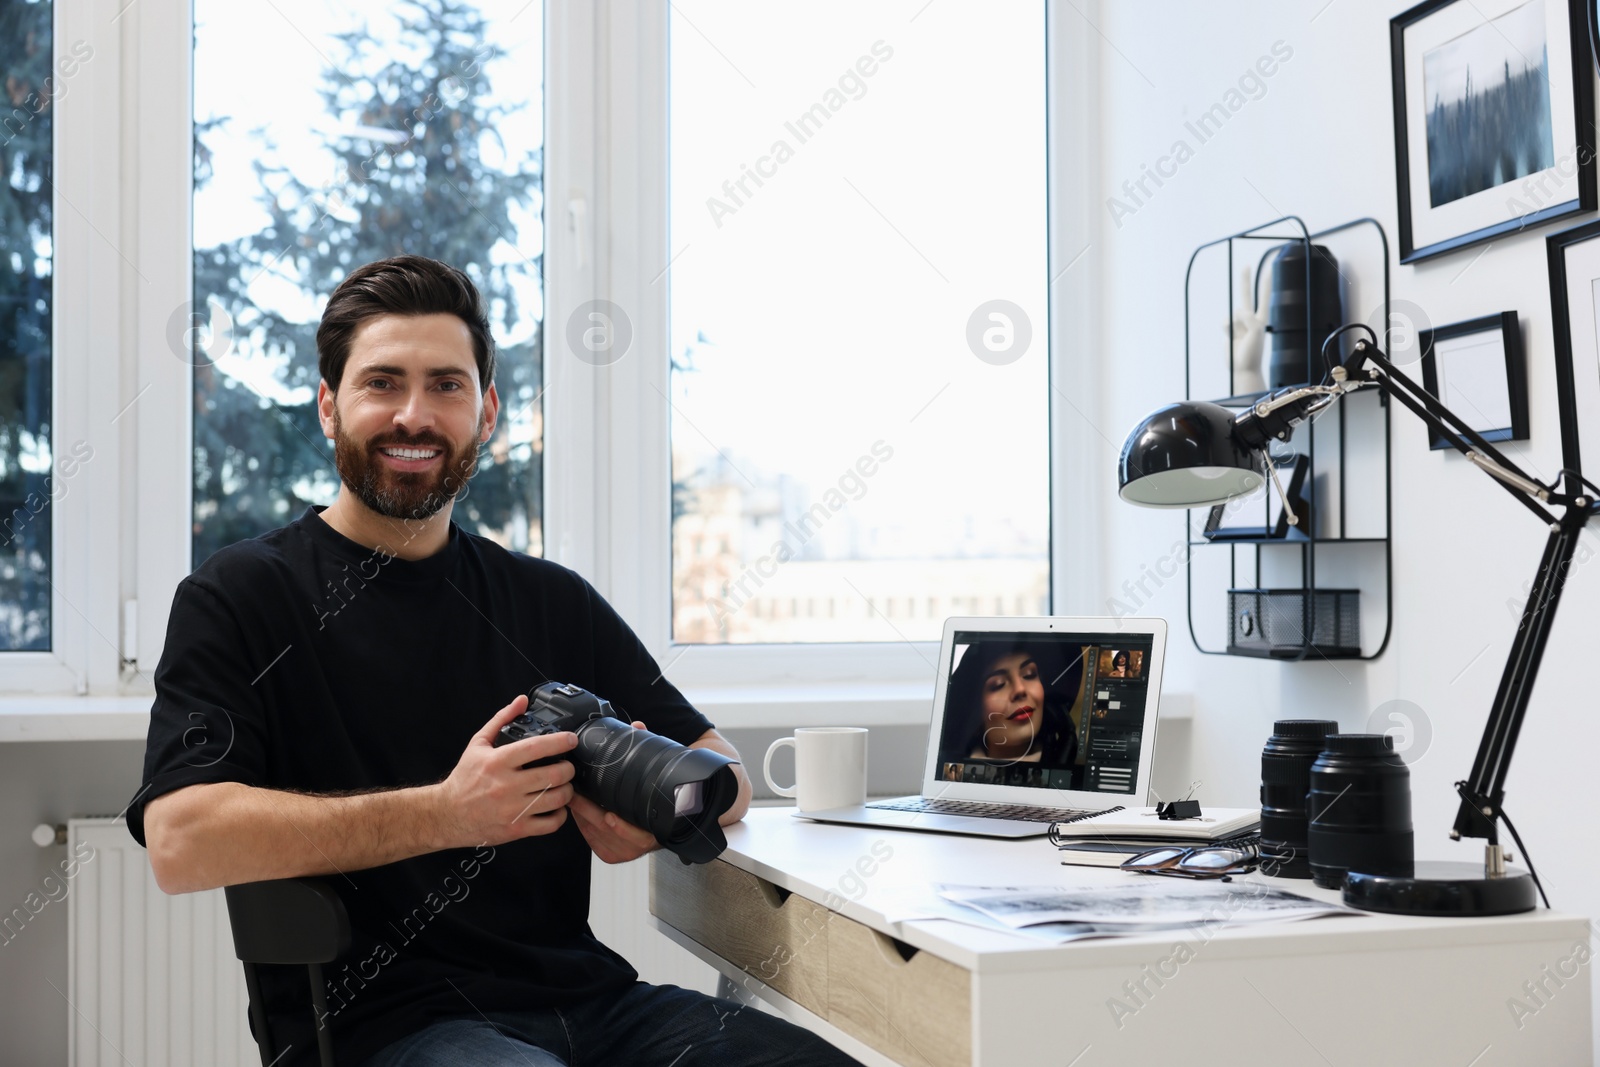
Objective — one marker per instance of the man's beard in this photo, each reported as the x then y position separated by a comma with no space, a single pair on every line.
404,494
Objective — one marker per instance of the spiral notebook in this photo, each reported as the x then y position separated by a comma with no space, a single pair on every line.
1035,721
1140,823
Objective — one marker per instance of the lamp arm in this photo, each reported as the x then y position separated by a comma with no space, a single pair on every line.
1483,793
1435,414
1509,477
1451,427
1276,415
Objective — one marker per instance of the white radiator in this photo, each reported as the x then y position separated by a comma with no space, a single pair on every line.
153,981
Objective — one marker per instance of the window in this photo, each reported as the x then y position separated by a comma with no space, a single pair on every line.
329,134
307,134
29,483
858,316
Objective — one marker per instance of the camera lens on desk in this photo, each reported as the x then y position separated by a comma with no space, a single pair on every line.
1296,356
1360,809
1285,781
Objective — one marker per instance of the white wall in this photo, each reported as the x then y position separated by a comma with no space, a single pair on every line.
47,782
1319,144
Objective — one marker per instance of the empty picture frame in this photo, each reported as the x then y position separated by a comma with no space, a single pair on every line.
1494,126
1476,370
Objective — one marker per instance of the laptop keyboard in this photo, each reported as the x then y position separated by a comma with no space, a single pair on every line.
979,809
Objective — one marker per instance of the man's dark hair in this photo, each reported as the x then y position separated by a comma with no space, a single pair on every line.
401,285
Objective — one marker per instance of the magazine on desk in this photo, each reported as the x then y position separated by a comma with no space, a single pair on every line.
921,904
1137,902
1055,914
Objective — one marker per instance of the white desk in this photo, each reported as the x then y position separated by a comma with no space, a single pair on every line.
788,914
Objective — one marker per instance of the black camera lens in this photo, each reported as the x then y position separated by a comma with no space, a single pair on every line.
1360,810
1296,353
675,792
1285,780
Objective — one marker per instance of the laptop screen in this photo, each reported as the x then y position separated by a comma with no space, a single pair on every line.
1050,711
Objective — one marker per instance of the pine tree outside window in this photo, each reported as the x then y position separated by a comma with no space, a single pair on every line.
326,136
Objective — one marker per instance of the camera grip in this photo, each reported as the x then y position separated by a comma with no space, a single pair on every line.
514,731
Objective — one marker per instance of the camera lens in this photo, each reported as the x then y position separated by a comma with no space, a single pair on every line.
686,799
675,792
1360,810
1296,358
1285,780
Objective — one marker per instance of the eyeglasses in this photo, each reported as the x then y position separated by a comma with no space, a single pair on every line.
1207,861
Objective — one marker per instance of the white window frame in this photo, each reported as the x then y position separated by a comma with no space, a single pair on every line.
162,125
628,552
90,283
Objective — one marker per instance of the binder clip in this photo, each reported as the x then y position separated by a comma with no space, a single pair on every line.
1179,809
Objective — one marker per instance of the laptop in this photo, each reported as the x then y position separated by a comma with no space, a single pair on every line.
1035,720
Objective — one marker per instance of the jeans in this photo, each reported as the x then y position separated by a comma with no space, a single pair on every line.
646,1024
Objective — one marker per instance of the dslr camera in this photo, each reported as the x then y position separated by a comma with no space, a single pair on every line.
675,792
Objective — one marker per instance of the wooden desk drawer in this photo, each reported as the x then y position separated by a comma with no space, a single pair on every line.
916,1010
748,922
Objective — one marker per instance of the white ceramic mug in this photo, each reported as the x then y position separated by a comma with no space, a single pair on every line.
830,767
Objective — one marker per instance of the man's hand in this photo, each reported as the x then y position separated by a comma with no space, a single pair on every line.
612,839
490,799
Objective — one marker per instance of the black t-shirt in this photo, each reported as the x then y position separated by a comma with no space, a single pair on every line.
302,660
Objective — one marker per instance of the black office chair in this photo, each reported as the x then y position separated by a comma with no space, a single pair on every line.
291,920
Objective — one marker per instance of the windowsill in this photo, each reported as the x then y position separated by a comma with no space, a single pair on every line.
858,704
53,718
844,705
68,718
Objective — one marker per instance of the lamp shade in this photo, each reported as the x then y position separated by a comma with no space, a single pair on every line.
1187,455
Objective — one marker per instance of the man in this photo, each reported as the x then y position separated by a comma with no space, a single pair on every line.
327,701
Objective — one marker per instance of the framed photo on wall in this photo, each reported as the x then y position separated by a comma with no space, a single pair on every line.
1493,119
1476,370
1574,257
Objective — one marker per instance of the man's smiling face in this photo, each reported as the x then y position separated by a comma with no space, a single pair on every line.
407,419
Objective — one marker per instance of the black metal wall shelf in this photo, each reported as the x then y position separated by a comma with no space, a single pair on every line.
1280,231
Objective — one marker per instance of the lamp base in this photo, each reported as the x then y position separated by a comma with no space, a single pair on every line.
1445,889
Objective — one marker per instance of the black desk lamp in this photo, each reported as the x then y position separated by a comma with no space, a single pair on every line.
1196,454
